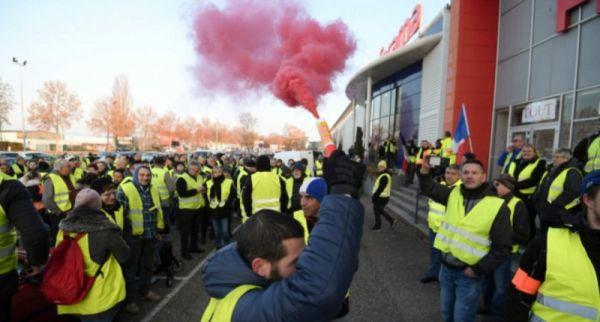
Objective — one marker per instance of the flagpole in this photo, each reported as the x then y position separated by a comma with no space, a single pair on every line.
468,129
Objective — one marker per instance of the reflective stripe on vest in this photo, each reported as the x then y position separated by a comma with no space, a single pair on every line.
557,187
8,238
437,210
266,191
16,169
318,168
221,310
108,288
524,175
225,191
466,236
78,174
61,191
593,154
570,288
197,200
512,204
136,208
388,189
158,180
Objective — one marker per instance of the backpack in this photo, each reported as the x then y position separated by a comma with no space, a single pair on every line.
65,281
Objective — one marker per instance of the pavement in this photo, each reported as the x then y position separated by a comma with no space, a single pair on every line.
385,288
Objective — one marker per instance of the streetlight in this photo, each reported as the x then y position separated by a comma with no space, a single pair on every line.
21,65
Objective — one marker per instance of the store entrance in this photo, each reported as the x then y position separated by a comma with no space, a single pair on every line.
545,139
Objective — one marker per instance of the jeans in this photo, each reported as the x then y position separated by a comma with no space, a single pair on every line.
435,258
496,289
141,250
459,295
221,229
378,209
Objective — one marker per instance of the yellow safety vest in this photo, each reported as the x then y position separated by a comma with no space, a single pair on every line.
266,191
8,238
108,288
118,220
319,168
447,151
437,210
61,191
78,174
308,173
206,170
136,208
225,191
512,204
221,310
197,200
593,154
299,216
289,187
524,175
508,161
557,186
276,170
158,180
239,191
388,189
570,290
390,147
467,236
17,170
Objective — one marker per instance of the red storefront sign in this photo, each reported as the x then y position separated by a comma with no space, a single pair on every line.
408,29
562,12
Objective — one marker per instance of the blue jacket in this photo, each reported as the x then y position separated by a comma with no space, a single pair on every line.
504,154
324,271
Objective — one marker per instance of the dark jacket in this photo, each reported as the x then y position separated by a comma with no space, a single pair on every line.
520,222
295,197
500,232
533,263
549,211
535,178
225,211
323,272
182,191
382,185
580,152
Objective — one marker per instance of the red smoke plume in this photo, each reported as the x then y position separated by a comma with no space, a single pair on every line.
250,45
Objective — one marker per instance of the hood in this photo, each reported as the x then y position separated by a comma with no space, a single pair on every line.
263,163
225,270
135,174
86,219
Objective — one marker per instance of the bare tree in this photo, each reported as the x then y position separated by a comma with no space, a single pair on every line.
122,117
55,109
7,103
166,126
145,118
294,138
248,129
100,120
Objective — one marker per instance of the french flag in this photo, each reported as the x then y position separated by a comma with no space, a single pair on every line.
461,132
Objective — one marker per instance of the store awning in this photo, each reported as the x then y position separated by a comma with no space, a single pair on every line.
389,64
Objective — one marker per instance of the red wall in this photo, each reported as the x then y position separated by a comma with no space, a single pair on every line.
471,69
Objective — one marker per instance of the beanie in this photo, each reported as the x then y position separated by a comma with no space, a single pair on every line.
592,179
508,181
88,198
263,163
298,166
314,187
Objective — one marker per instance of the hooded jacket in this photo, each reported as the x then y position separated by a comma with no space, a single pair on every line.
323,273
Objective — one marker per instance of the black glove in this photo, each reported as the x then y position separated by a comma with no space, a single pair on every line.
343,176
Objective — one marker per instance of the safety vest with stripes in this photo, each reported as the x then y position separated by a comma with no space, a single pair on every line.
221,310
266,191
437,210
512,204
136,208
388,188
447,151
158,180
593,154
467,235
570,289
558,185
8,238
226,185
17,170
118,220
78,174
61,191
524,175
197,200
508,160
318,168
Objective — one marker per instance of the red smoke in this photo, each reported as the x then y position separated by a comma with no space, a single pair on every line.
250,45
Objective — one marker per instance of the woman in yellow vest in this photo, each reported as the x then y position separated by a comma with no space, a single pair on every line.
191,213
558,278
381,195
110,206
102,247
221,196
293,184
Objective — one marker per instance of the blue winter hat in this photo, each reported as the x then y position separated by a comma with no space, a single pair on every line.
590,180
314,187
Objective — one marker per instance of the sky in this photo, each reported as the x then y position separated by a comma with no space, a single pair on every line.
86,44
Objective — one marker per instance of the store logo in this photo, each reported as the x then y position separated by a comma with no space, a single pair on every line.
562,12
408,29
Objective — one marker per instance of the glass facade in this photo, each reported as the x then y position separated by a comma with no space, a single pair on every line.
395,105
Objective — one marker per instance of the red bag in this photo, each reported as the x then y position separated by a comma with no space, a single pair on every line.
65,281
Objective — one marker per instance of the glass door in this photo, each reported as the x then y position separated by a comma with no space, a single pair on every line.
545,142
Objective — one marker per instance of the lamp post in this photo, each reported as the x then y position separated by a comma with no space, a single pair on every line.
22,64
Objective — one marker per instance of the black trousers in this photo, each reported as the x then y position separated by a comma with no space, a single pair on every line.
188,222
54,220
9,283
378,209
142,259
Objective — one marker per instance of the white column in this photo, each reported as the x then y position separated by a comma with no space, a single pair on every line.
367,126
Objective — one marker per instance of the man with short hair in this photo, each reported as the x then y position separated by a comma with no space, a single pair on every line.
19,167
159,178
191,213
512,152
248,168
382,190
558,191
474,237
558,278
266,275
59,194
264,189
